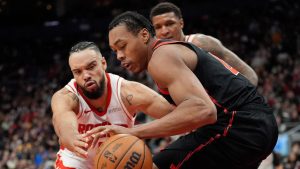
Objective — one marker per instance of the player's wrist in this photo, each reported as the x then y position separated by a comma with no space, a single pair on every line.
136,132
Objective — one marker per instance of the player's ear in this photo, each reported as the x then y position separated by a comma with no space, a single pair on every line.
103,62
181,22
145,35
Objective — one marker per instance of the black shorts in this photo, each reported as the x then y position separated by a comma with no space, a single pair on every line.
238,140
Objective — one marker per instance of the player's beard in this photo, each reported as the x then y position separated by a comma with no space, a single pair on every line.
97,93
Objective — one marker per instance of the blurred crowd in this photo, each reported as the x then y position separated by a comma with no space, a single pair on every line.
32,68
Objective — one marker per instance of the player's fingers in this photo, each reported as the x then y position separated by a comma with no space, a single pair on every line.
95,130
103,133
81,152
80,143
95,141
97,136
84,138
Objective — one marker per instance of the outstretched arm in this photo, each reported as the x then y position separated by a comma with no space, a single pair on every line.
64,105
213,45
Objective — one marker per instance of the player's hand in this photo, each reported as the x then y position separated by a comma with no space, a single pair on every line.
78,145
105,131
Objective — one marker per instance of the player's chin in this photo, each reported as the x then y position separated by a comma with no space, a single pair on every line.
135,70
91,90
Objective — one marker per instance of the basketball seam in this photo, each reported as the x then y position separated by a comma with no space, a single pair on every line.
126,152
144,156
106,147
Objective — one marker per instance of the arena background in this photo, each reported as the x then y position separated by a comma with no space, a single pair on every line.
36,35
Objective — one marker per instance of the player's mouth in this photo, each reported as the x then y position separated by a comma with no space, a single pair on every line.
126,65
91,85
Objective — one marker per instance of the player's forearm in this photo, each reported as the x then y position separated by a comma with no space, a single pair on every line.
66,129
188,116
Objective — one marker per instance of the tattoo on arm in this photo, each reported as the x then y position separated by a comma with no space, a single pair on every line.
70,94
74,97
211,45
129,99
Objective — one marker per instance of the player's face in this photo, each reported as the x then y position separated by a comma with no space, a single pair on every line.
88,69
130,49
168,26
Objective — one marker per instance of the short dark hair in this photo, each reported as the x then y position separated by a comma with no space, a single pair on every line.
165,7
133,21
84,45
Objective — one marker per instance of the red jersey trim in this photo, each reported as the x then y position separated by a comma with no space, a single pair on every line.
163,91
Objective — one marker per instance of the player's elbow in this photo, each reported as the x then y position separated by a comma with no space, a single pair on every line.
208,113
212,114
54,119
254,79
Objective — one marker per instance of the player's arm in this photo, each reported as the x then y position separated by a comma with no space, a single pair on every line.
64,104
214,46
140,98
194,107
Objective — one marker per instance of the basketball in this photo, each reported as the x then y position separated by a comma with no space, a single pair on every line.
123,151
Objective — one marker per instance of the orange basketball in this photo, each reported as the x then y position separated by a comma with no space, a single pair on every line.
123,151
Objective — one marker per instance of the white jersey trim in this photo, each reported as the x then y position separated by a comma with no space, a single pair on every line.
189,38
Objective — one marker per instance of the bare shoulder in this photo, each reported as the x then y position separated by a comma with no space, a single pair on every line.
209,44
131,91
138,97
135,94
64,94
127,92
64,99
168,60
203,41
166,53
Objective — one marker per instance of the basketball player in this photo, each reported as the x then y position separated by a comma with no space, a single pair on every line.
168,23
96,98
232,125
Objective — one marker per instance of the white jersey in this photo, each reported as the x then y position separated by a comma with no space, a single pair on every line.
88,118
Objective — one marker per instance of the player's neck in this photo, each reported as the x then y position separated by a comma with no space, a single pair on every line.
150,48
100,103
182,37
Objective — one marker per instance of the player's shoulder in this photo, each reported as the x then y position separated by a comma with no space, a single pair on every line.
132,93
128,86
165,51
205,42
62,93
204,38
